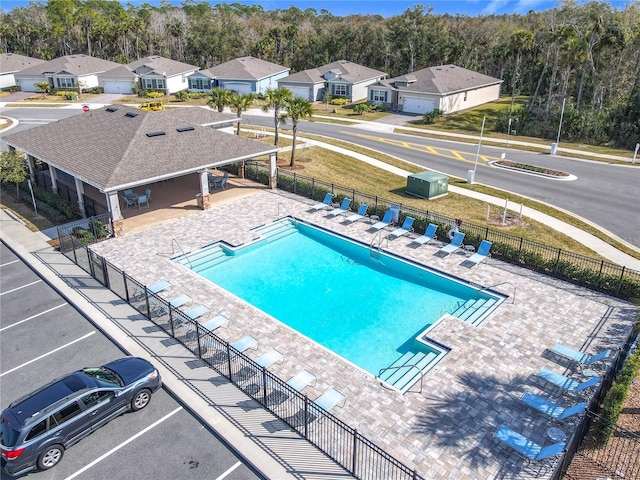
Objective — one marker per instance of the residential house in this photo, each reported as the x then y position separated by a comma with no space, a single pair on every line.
241,75
162,74
69,72
12,63
341,79
448,88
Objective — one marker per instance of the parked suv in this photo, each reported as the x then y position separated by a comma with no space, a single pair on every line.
37,428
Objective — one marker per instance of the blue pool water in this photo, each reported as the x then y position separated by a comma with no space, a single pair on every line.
331,290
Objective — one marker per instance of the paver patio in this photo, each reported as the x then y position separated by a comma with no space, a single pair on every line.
445,431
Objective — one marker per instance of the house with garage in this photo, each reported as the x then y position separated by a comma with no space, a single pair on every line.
241,75
448,88
12,63
65,73
340,79
162,74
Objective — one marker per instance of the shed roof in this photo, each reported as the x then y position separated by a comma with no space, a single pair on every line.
117,147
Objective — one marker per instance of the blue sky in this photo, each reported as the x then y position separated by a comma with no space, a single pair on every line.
386,8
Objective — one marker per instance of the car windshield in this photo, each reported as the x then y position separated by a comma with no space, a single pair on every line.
104,376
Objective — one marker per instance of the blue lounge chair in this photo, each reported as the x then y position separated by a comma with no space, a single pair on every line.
264,361
528,449
324,204
429,233
386,221
155,288
241,345
581,358
216,322
324,403
196,312
359,215
298,382
455,244
567,384
160,308
344,207
407,226
552,410
481,254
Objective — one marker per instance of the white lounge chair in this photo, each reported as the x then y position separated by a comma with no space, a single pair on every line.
324,204
360,214
321,405
481,254
455,244
344,207
386,221
216,322
160,308
264,361
428,235
298,382
406,227
155,288
196,312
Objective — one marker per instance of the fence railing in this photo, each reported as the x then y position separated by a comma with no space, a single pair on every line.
592,273
358,455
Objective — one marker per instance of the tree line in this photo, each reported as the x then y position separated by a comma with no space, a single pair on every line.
588,53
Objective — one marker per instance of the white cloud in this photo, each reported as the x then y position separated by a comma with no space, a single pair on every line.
493,6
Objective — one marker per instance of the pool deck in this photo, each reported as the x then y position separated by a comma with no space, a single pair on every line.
445,431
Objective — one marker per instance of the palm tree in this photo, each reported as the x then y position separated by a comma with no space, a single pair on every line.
241,102
276,98
297,109
219,98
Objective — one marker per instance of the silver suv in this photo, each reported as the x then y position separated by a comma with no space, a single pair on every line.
37,428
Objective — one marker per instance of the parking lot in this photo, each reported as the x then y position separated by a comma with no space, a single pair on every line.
43,337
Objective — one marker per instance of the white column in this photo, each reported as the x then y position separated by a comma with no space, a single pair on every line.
79,194
54,179
204,182
32,169
113,204
272,170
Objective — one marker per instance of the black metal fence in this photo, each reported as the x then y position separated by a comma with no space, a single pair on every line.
345,445
595,274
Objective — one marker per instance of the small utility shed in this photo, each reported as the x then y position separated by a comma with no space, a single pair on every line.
428,185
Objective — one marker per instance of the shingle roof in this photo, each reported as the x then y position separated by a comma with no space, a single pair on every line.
352,72
109,149
73,64
119,71
13,62
163,65
245,68
441,80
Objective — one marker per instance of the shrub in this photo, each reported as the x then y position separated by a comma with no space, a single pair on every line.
155,94
362,108
339,101
182,95
431,117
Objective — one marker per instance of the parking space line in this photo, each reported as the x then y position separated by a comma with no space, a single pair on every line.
123,444
229,471
9,263
23,286
48,353
32,317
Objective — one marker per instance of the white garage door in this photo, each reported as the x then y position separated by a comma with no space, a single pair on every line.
29,85
238,87
417,105
114,86
300,92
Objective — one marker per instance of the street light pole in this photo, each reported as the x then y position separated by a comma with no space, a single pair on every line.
564,100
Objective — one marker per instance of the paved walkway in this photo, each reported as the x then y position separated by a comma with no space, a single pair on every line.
445,431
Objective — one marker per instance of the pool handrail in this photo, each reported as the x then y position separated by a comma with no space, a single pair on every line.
286,209
504,283
396,367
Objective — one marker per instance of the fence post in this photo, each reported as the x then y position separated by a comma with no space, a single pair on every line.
295,183
198,339
146,301
173,332
306,416
486,234
555,267
105,272
354,457
313,188
92,268
126,286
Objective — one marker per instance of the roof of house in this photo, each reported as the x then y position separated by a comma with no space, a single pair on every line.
13,62
118,147
245,68
440,80
349,71
77,65
120,71
162,65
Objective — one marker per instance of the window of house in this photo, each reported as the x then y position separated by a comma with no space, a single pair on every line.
340,90
66,82
153,83
378,96
199,84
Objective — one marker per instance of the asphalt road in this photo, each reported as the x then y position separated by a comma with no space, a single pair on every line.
43,337
605,194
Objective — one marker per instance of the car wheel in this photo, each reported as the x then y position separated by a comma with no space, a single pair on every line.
140,400
50,457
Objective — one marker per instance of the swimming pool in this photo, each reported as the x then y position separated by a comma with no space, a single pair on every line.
368,310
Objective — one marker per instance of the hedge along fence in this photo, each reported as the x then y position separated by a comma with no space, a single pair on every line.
598,275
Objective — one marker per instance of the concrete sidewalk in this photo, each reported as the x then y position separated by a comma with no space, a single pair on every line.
227,410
